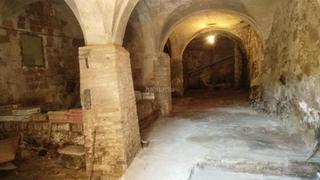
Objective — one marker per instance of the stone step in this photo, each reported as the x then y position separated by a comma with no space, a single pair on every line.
224,174
291,168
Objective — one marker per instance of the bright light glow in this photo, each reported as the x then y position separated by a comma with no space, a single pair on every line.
211,39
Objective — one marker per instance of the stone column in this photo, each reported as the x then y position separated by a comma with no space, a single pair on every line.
177,76
109,110
163,83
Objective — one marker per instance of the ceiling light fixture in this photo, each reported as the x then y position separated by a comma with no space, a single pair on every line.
211,39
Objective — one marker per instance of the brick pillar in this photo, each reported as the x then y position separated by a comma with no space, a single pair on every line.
109,109
163,83
177,76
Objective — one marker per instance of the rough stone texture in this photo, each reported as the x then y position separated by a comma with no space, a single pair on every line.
291,66
208,65
38,131
253,45
163,83
57,84
110,110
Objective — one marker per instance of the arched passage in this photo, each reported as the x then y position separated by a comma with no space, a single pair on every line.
197,21
266,29
243,27
220,64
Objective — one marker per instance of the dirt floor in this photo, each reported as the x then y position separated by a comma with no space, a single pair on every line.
219,136
42,168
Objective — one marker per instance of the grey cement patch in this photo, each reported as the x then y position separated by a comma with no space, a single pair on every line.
201,138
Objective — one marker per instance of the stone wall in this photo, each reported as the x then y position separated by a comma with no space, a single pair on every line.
209,65
54,86
253,48
37,132
291,81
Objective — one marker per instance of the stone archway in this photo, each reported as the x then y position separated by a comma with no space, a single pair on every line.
107,94
233,22
222,64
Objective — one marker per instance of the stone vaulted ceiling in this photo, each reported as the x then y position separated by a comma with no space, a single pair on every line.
185,18
102,21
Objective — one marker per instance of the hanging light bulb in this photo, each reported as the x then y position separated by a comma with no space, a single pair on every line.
211,39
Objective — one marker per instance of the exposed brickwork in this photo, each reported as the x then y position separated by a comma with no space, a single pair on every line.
49,86
38,131
109,109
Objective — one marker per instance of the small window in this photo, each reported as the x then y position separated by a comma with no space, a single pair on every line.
31,50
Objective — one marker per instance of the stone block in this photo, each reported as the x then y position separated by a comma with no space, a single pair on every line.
110,115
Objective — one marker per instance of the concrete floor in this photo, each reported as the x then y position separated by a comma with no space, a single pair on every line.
218,136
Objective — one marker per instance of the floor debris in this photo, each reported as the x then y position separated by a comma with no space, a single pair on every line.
72,157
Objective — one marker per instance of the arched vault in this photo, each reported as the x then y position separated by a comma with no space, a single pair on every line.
102,22
204,21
